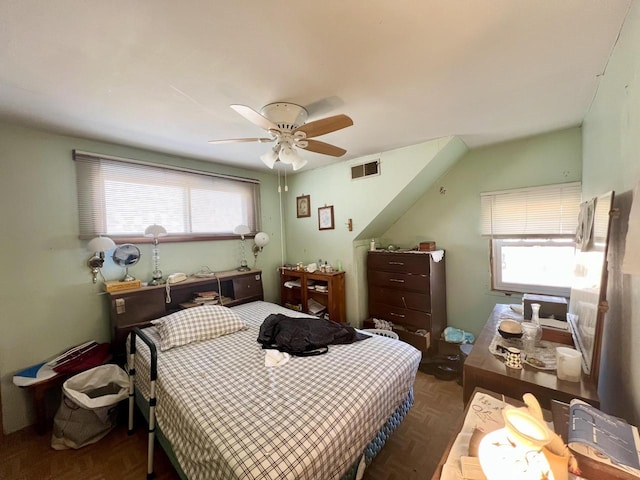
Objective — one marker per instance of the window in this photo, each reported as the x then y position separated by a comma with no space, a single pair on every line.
532,234
120,198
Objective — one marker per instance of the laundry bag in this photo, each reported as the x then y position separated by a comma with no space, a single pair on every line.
89,406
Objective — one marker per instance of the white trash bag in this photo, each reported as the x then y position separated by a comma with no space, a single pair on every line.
88,410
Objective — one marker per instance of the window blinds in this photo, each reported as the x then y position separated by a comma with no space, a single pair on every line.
122,197
543,210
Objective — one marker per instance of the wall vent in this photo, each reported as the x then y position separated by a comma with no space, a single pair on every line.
365,170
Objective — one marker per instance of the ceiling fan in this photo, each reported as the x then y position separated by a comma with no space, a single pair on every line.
285,123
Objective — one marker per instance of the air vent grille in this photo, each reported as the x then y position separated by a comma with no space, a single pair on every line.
365,170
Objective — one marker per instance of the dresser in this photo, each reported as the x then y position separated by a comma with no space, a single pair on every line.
482,369
315,293
408,289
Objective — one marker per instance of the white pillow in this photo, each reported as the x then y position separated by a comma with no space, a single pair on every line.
196,324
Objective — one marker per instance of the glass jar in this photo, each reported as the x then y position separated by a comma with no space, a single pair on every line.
532,330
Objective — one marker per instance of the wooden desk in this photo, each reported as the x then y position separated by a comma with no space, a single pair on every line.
591,469
511,401
483,369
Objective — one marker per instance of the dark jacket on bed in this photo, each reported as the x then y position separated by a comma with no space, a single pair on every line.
304,335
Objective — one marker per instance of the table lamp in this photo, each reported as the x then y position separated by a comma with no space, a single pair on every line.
515,451
156,231
242,230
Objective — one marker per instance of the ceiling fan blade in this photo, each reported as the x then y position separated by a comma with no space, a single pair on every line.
240,140
324,148
254,117
325,125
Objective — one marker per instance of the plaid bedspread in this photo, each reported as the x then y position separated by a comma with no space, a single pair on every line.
228,416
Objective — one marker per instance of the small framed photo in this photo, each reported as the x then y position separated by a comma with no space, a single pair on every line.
303,206
325,218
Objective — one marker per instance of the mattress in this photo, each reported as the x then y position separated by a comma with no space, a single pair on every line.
227,416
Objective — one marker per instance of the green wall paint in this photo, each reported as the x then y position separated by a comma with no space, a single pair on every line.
611,145
452,219
373,203
48,300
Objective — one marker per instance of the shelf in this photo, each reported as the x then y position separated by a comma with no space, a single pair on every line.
333,300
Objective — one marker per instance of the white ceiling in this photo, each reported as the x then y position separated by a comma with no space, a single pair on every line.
161,74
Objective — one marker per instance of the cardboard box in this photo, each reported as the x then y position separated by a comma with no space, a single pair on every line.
555,307
121,286
427,246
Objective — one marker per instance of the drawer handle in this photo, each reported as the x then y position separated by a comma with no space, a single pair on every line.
396,263
397,315
397,280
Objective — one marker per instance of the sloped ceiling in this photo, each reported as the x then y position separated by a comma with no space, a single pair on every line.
161,74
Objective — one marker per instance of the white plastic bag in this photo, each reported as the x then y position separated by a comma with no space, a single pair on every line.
98,387
89,406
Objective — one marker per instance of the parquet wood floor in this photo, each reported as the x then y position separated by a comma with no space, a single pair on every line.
412,452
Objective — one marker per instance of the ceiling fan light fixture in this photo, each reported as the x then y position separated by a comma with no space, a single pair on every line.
299,163
269,158
288,155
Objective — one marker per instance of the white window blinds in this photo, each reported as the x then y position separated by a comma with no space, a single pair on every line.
544,210
120,197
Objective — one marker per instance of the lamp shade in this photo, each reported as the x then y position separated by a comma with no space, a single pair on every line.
241,230
299,163
288,155
155,231
100,244
269,158
514,452
261,239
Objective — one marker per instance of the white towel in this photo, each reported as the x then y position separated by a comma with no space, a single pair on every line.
631,262
437,255
275,358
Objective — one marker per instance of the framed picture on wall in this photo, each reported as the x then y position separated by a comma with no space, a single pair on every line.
325,218
303,206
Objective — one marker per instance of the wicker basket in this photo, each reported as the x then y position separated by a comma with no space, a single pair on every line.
382,333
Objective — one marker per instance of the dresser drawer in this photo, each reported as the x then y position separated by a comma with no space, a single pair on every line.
400,316
399,262
404,281
399,298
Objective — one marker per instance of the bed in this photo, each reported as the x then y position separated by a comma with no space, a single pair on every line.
221,413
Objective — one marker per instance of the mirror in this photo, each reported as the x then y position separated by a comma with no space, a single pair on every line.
125,256
588,303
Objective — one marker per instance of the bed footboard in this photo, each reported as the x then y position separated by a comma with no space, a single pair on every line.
136,332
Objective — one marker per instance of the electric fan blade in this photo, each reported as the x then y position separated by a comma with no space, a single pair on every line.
325,125
254,117
324,148
241,140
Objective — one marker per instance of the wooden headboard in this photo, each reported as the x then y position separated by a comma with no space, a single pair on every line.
136,308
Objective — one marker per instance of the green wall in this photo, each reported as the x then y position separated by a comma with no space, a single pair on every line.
611,145
373,203
451,218
48,300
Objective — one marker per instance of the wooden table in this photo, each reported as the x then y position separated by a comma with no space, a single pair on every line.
39,399
591,469
511,401
483,369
